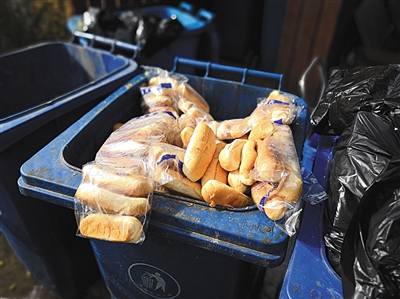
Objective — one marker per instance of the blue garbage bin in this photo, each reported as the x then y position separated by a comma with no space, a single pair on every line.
199,38
309,273
44,89
197,251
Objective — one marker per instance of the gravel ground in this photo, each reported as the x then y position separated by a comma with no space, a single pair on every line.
17,283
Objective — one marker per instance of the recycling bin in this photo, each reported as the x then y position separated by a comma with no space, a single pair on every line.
309,273
198,39
44,89
191,250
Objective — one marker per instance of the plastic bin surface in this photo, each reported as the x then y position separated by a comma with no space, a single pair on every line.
43,90
40,83
186,45
234,239
309,274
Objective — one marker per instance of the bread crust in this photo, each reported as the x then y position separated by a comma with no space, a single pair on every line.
249,156
117,180
115,228
216,193
214,170
268,200
268,165
230,155
199,152
110,202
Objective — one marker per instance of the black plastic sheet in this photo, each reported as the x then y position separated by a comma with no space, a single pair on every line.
149,32
365,173
374,89
371,249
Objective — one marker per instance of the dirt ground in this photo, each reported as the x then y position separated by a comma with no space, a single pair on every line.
17,283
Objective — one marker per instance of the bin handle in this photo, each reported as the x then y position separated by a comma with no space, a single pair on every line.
186,7
111,43
205,15
244,72
317,62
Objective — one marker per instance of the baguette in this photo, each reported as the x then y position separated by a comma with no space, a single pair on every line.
115,228
110,202
195,113
268,165
235,182
233,128
175,181
214,170
184,89
216,193
292,185
268,200
186,134
199,152
263,129
230,155
249,156
117,180
188,92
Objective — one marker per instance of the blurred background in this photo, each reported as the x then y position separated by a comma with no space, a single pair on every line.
282,36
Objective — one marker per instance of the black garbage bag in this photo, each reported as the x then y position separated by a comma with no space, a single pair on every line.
100,22
149,32
370,264
375,89
361,156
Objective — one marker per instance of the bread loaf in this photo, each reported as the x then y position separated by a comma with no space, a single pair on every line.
175,181
216,193
233,128
195,113
263,129
186,134
235,182
268,200
230,155
115,228
249,156
200,152
117,180
188,92
268,166
110,202
214,170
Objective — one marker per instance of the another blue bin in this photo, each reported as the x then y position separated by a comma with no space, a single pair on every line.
309,274
198,251
43,90
199,36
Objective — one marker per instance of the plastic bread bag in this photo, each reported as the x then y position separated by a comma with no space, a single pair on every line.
113,203
155,98
167,161
232,128
195,113
362,155
133,137
279,181
179,84
278,107
373,89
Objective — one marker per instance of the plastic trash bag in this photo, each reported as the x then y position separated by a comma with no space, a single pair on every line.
150,32
371,249
375,89
362,158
